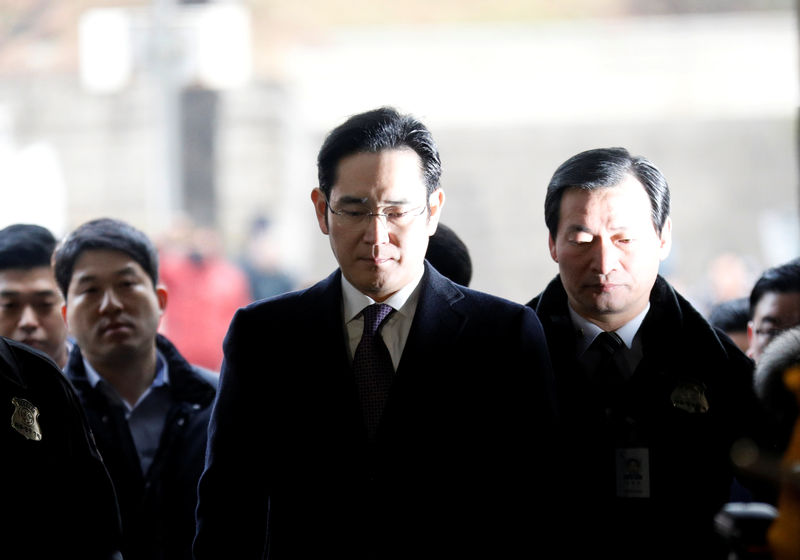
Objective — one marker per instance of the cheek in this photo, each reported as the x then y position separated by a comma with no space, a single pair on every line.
341,243
570,258
7,326
643,263
73,318
54,320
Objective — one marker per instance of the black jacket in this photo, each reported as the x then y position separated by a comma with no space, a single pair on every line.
689,451
158,506
58,498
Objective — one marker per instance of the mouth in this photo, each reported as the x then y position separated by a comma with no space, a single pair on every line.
115,328
376,260
603,287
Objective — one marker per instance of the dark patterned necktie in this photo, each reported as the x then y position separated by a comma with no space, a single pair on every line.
372,366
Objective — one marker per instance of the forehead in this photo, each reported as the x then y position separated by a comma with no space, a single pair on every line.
97,262
623,205
386,175
28,279
782,309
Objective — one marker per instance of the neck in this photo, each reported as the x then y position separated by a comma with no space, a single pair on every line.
129,375
62,357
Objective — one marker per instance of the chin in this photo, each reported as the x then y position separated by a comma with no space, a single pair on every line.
606,306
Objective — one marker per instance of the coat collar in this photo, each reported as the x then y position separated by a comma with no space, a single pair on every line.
437,315
185,382
671,323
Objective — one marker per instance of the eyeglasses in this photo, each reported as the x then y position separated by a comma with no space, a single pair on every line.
769,333
398,217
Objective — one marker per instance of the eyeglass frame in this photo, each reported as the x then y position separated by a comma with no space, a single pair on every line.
769,333
366,217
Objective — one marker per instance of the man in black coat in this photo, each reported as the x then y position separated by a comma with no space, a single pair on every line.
148,407
58,498
649,415
460,462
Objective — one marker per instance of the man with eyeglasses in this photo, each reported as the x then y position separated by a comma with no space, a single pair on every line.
774,306
457,461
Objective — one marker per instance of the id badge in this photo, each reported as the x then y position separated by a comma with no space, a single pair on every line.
633,472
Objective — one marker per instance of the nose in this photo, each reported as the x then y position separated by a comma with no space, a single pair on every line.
605,257
377,230
110,302
28,321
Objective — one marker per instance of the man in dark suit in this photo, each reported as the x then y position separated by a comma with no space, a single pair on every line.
460,462
650,416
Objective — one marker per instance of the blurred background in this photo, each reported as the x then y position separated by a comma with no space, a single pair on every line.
199,122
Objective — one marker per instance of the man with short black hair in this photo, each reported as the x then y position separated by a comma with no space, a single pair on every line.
652,397
30,301
148,407
384,412
774,306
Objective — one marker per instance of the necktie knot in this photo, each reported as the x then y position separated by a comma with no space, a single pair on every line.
374,315
608,369
607,342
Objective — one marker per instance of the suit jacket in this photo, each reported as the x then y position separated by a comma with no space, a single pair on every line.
462,456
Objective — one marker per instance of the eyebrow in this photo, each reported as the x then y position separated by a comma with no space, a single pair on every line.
583,229
349,199
578,228
16,293
123,272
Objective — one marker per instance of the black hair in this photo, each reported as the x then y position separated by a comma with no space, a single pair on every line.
376,131
25,246
104,234
449,255
784,278
730,315
606,167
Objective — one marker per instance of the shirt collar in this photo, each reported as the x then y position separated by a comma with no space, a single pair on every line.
402,301
161,378
588,331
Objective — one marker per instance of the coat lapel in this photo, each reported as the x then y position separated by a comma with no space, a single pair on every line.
436,320
324,305
333,370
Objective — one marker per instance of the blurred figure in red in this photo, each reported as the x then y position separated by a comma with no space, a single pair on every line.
205,290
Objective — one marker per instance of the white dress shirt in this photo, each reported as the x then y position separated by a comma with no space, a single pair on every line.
396,328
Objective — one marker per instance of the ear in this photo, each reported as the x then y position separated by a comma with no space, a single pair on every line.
161,294
751,333
64,312
321,209
552,244
665,240
435,203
